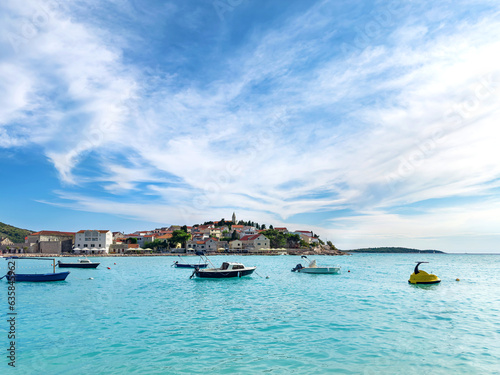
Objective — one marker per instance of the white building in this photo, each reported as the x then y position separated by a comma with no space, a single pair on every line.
93,241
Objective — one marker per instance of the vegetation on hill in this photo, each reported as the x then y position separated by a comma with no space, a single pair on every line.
14,234
403,250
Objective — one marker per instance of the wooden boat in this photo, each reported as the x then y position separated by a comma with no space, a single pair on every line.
227,270
82,263
36,277
313,268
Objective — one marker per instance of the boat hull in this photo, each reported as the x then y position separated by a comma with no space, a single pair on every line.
38,277
181,265
224,274
78,265
320,270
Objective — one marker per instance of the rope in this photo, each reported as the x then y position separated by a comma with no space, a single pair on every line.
258,274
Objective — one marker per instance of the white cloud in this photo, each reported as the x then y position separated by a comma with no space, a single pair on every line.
409,118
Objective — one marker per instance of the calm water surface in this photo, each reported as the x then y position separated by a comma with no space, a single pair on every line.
144,317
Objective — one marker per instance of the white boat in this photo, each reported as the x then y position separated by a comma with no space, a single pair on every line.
312,267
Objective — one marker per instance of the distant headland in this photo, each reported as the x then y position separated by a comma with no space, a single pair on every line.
394,250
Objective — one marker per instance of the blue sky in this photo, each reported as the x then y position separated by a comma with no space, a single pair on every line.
372,123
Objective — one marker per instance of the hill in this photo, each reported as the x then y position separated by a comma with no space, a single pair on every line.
396,250
14,234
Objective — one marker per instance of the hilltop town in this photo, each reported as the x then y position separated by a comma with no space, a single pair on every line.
224,237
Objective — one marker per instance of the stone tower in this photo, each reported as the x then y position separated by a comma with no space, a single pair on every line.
234,218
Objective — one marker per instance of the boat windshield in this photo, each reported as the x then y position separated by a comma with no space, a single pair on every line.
225,266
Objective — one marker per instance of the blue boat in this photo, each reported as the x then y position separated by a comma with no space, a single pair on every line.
36,277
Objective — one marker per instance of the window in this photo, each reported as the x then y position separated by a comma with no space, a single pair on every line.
85,245
92,245
78,245
100,245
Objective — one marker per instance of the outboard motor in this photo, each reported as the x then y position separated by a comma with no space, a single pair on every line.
297,267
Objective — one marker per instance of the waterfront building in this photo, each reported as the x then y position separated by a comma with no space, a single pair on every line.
255,242
50,242
236,245
93,241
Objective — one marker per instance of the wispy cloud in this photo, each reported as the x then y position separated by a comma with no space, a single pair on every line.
320,111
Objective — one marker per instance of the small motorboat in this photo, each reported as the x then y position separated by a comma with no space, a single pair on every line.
422,277
82,263
227,270
183,264
313,268
35,277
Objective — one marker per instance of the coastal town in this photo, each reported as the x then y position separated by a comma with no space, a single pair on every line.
223,237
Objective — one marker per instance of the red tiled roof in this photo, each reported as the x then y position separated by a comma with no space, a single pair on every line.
250,237
93,230
52,232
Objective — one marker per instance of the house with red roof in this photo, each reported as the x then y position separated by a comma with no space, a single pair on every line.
281,229
255,242
209,244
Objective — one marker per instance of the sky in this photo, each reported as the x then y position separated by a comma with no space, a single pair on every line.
371,123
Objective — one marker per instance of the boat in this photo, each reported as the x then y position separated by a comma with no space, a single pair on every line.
226,270
422,277
36,277
82,263
178,264
312,267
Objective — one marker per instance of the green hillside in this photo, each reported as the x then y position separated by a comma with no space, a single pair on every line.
14,234
399,250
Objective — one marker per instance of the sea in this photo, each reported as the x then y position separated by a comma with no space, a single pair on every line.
139,315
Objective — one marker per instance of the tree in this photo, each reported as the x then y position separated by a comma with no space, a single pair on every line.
156,244
235,236
179,236
292,240
184,228
332,246
132,240
276,239
271,226
263,227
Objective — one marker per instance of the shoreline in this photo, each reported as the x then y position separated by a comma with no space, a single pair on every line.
277,253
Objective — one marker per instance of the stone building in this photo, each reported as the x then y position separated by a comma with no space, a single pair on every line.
50,242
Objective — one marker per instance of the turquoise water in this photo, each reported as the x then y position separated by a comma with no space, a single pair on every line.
144,317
